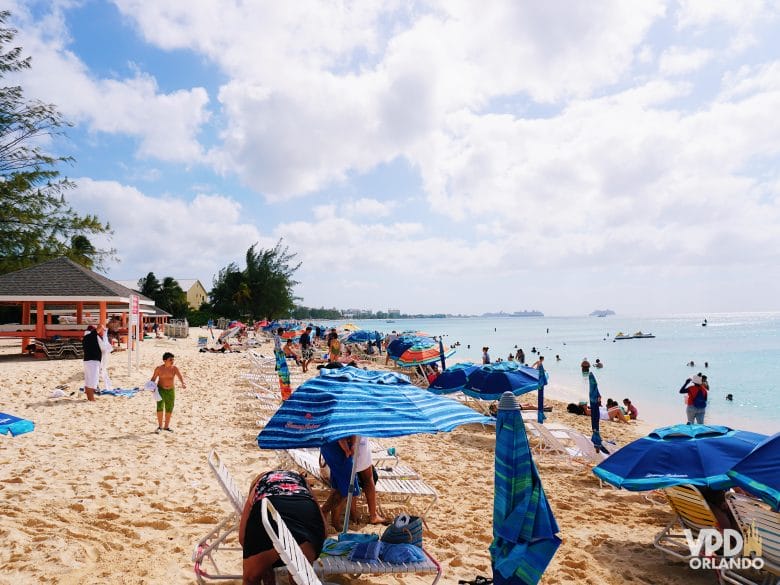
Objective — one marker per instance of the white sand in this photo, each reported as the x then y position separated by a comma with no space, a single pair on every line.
93,495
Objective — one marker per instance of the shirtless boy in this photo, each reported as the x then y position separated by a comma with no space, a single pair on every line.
164,376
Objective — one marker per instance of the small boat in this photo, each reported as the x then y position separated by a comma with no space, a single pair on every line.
389,321
637,335
640,335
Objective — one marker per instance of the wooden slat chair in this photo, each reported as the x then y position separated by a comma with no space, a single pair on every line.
691,511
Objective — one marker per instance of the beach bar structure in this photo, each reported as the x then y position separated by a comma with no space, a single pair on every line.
61,298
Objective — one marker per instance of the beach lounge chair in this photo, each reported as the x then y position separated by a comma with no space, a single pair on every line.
691,511
298,566
207,548
395,486
755,521
224,537
558,440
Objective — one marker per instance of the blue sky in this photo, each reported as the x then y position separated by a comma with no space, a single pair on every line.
431,156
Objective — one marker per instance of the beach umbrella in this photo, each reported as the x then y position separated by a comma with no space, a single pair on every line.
453,379
411,350
594,397
759,471
359,336
540,396
697,455
349,401
524,528
490,381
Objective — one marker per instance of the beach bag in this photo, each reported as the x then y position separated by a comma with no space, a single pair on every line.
700,400
405,529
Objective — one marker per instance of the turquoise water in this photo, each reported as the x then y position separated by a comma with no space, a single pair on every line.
742,349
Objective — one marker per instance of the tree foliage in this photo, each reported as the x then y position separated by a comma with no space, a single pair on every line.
167,295
36,223
262,289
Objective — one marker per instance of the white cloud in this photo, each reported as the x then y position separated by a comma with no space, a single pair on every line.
368,207
165,124
169,236
682,60
319,90
741,18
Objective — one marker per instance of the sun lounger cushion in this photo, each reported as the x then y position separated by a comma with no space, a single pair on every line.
15,425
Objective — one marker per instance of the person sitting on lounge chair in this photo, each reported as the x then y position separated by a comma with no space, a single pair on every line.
290,495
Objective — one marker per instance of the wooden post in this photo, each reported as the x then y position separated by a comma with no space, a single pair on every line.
39,320
79,313
25,321
103,312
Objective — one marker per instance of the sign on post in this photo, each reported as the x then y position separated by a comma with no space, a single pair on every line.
132,332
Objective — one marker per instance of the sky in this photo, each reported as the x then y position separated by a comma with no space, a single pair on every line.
441,156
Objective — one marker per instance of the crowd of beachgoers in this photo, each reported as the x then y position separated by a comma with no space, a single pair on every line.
131,502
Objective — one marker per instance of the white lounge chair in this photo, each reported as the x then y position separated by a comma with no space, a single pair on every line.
298,566
224,537
757,523
390,487
207,547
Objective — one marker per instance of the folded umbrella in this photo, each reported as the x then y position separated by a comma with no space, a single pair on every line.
524,528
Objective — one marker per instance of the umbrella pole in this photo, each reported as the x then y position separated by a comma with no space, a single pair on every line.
351,486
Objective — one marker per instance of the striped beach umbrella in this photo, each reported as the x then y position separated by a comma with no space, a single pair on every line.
350,401
524,528
412,350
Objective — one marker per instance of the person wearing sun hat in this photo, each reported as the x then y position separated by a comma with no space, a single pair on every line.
696,401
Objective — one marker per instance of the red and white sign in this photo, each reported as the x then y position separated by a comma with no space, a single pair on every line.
133,309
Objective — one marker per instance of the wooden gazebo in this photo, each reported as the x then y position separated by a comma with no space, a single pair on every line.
61,298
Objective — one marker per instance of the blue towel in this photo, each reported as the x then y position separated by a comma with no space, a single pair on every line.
15,425
334,548
401,553
366,551
357,537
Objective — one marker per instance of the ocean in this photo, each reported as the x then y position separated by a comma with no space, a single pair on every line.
742,351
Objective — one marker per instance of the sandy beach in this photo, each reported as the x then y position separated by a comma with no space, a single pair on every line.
95,496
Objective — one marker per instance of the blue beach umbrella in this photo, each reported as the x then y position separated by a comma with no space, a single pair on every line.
453,379
359,336
350,401
697,455
490,381
524,528
759,472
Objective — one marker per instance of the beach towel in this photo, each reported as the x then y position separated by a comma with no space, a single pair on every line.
128,392
284,374
15,425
